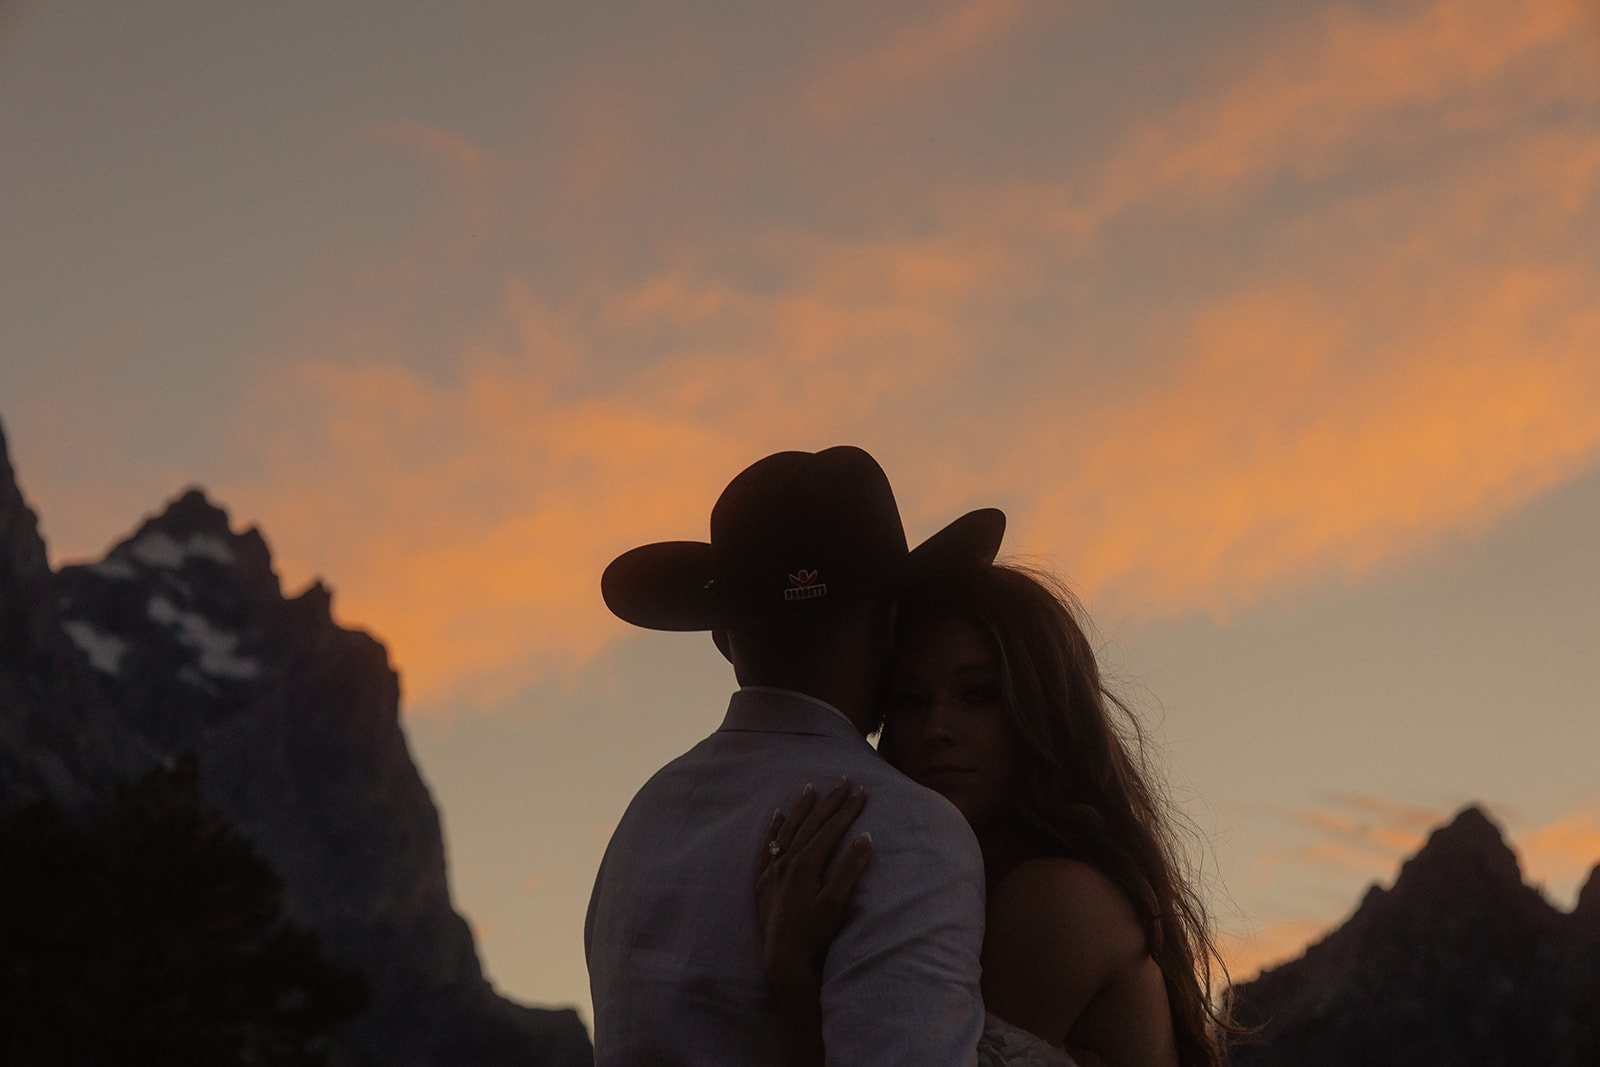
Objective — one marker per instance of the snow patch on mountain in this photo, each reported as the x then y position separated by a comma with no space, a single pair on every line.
104,650
157,549
216,647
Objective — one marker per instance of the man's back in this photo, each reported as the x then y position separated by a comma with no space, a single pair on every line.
673,940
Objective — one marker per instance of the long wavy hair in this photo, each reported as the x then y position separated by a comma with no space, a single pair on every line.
1084,786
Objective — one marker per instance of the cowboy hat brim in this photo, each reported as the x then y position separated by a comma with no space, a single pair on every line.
670,585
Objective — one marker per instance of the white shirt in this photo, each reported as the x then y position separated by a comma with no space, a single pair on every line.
674,943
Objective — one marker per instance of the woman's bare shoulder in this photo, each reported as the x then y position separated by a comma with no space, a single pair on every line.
1061,896
1065,957
1059,933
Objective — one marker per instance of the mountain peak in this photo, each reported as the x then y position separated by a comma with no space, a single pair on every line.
1459,962
193,511
1472,820
1466,860
192,532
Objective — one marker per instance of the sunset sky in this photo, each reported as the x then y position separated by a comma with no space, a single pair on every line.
1274,325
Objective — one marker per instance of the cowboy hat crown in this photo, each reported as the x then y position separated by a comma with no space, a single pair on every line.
794,535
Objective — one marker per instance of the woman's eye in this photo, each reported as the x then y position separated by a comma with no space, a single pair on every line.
903,702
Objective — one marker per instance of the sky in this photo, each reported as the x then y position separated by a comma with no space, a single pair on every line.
1274,327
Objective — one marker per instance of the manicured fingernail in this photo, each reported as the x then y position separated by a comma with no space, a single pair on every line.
858,791
809,790
777,816
865,835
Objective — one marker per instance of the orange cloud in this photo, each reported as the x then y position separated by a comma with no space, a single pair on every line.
916,53
1279,450
1405,365
1343,81
1331,853
1405,818
1296,433
467,522
1561,854
1365,835
1385,369
469,525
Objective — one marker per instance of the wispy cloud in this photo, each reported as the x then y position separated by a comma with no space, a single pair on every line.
468,524
437,143
1361,840
1282,449
913,54
1561,853
1403,354
1396,360
468,520
1343,83
1349,836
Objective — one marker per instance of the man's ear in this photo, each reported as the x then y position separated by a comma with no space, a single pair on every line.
724,645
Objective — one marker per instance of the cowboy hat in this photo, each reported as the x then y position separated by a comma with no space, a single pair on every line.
794,535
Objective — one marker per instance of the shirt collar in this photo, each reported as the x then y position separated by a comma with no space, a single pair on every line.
768,709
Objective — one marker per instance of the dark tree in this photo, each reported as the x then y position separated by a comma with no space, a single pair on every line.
152,932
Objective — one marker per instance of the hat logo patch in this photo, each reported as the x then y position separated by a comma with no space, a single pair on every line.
803,585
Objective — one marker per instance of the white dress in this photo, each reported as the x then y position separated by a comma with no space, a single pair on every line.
1004,1045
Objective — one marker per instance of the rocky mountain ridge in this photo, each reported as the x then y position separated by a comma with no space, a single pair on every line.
182,639
1459,962
59,735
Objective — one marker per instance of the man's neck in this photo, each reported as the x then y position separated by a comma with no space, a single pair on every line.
859,711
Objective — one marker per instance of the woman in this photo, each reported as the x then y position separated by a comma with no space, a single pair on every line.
1095,942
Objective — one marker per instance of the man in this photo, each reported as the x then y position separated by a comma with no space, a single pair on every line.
796,584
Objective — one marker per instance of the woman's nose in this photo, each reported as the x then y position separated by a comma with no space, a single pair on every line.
942,722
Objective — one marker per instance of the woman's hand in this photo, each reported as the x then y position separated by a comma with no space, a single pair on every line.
801,903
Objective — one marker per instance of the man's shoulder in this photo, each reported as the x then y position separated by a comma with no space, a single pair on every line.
727,771
887,786
916,820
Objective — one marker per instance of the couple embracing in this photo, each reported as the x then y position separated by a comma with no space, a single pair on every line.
996,883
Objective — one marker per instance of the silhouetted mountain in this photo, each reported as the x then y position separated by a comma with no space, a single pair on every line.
1458,963
181,639
59,735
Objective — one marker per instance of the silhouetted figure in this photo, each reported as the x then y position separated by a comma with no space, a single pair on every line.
1097,947
794,582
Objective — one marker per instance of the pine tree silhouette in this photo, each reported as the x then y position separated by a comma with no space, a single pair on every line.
150,931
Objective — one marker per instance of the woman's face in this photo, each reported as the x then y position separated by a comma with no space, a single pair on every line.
944,725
